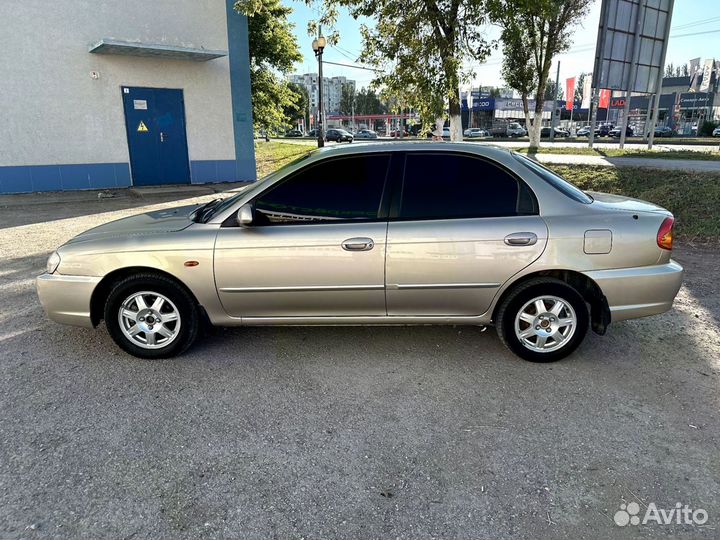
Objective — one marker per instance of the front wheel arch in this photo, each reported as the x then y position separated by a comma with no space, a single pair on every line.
102,290
588,289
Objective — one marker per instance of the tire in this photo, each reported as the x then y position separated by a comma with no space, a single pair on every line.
174,323
561,340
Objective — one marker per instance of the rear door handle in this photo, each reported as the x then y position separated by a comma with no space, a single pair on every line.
521,239
358,244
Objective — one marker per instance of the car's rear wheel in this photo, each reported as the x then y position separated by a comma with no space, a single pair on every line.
151,316
542,320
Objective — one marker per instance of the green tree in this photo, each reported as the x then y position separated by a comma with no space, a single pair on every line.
298,109
533,32
420,50
368,102
273,51
552,91
347,99
579,85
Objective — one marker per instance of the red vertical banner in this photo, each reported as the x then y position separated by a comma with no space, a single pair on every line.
604,99
569,93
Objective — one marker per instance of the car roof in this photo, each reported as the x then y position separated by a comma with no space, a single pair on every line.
486,150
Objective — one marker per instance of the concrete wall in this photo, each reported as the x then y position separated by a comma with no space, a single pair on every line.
53,113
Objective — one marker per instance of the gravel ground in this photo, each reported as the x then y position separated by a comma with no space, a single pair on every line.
418,432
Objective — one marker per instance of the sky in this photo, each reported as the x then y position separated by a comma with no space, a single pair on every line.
699,18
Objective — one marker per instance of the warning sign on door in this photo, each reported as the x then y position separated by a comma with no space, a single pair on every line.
142,127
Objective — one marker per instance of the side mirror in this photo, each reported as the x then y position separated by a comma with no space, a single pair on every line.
245,215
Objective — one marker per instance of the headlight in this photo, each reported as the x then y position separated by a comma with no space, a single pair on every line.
53,262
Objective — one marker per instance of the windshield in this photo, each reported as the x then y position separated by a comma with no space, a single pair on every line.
252,188
556,181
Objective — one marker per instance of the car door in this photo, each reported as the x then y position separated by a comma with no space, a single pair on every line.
316,246
460,226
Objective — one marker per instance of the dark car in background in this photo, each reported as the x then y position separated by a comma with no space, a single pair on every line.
294,133
338,135
615,132
603,130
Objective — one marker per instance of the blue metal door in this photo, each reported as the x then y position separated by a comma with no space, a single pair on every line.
155,123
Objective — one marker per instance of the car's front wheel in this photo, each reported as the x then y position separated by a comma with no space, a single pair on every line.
151,316
542,320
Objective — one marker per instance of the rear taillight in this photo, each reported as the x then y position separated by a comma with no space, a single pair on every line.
665,233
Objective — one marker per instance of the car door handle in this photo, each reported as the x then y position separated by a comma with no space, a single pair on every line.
358,244
521,239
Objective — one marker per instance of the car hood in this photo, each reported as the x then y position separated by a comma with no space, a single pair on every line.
626,204
158,221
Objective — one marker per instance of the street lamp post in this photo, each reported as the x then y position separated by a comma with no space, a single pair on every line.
318,45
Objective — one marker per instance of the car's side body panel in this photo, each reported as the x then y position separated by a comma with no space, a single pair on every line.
455,266
300,270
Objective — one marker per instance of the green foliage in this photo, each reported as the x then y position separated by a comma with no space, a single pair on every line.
298,109
533,32
419,48
273,50
706,128
368,102
347,99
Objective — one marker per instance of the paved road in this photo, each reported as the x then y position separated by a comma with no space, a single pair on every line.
348,432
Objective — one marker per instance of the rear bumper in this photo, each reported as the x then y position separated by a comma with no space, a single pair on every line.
66,299
639,292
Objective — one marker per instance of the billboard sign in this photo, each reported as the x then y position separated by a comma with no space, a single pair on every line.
631,32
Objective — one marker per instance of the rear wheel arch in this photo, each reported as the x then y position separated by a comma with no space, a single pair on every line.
102,290
587,287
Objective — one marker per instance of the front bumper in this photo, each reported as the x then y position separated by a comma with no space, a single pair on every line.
66,299
639,292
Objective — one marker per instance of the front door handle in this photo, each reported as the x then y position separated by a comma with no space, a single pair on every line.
521,239
358,244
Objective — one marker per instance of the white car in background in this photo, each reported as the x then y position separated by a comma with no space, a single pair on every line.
716,132
475,133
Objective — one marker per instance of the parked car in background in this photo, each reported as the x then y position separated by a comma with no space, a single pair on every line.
397,133
294,133
312,133
366,134
615,132
583,131
338,135
515,130
603,130
716,132
559,132
522,249
474,133
663,131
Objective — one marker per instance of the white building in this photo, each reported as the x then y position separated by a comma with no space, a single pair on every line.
332,91
108,94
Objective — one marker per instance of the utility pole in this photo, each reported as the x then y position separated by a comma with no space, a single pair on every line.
318,45
554,104
658,83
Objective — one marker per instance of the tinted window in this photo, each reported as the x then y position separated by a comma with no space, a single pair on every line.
338,189
558,182
454,186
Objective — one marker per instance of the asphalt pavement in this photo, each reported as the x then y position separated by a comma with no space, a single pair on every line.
407,432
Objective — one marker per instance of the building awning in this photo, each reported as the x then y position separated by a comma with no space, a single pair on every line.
136,48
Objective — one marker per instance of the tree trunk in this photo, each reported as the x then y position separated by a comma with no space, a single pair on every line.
534,132
456,131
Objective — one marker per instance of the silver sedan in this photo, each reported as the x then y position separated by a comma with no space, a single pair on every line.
388,233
